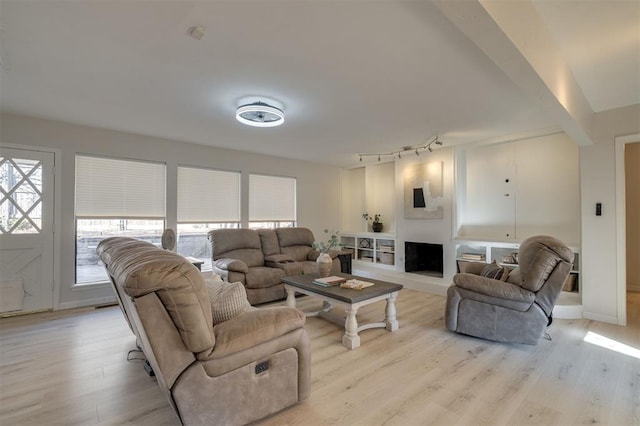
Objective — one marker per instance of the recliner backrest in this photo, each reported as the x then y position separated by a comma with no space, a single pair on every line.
545,262
241,244
295,242
141,268
538,257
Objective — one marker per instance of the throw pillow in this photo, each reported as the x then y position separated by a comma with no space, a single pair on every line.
494,271
228,300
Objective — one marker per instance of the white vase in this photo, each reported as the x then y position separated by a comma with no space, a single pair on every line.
324,264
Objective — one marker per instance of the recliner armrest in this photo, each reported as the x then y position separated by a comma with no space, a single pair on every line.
234,265
252,328
494,288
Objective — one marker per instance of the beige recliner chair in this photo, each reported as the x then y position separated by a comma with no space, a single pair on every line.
517,310
232,372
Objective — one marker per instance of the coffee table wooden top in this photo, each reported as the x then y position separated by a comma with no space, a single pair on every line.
344,294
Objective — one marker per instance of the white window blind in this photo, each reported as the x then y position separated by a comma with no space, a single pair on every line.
272,198
206,195
116,188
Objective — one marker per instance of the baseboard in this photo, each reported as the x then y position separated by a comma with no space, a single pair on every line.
599,317
86,302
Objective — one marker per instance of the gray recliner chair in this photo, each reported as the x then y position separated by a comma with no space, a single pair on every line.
517,310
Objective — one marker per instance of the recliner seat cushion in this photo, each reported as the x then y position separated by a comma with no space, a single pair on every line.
263,276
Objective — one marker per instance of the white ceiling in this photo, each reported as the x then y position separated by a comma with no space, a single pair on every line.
353,76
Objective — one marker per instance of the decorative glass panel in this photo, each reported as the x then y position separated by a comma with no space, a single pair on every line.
21,192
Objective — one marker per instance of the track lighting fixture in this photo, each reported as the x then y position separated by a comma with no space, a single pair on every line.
426,146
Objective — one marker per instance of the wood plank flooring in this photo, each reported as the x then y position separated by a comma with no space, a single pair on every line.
71,367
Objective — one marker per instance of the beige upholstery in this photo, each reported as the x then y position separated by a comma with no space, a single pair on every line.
207,372
259,259
517,310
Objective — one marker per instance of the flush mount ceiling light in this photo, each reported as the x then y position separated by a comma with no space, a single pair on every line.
259,114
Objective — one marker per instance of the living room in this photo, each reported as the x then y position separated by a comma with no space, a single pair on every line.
58,96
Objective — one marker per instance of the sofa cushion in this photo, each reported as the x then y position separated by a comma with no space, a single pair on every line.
295,242
294,237
228,300
262,276
242,244
269,241
278,258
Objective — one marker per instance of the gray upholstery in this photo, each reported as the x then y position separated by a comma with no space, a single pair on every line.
259,259
517,310
207,372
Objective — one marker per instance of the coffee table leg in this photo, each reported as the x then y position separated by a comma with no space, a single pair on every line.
391,323
351,340
291,297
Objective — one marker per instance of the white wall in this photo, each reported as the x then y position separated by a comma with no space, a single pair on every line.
632,198
436,231
598,184
318,186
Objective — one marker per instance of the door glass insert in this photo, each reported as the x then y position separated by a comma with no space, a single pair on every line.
21,196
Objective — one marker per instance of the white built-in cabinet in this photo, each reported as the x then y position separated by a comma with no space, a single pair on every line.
511,191
375,248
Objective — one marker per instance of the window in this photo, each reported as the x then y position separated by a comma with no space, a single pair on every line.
272,201
207,199
115,197
20,196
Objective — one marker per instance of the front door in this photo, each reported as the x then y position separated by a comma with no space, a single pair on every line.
26,231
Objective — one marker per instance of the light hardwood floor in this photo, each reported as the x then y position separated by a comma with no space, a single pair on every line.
70,367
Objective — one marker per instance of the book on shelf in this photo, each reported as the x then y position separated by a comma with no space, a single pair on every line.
329,281
473,256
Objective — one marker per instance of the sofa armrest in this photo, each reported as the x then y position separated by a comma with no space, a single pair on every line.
493,288
252,328
234,265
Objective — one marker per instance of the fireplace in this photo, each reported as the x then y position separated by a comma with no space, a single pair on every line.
423,258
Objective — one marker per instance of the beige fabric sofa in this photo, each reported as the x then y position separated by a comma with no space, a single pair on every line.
210,373
261,258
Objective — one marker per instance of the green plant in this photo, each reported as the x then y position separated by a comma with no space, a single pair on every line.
331,243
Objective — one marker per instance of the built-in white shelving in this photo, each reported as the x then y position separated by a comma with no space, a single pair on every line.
374,248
